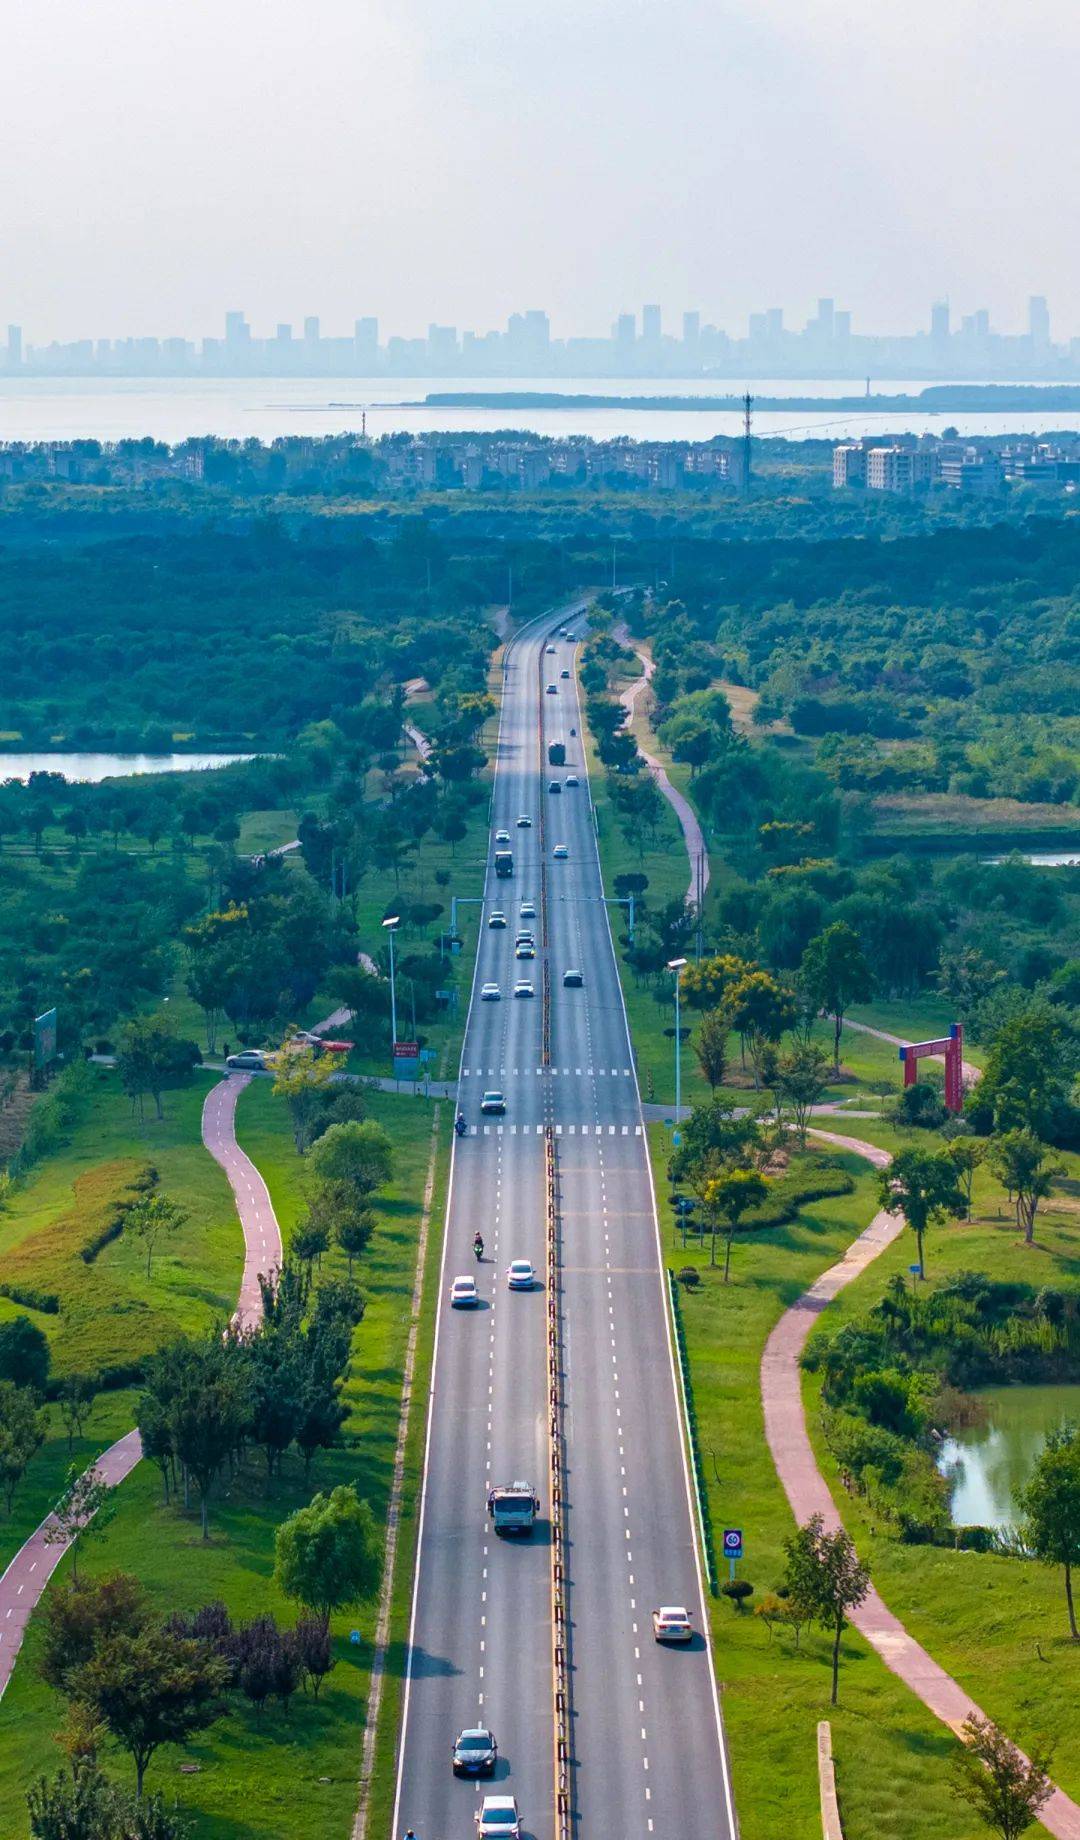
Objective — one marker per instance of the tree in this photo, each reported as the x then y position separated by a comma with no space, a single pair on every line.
360,1154
145,1060
710,1046
761,1009
82,1615
22,1433
922,1185
825,1579
329,1554
1050,1504
151,1218
77,1396
965,1154
835,974
1006,1789
353,1228
208,1415
153,1688
730,1195
1030,1067
1027,1169
706,981
801,1078
714,1129
84,1511
302,1077
24,1353
314,1650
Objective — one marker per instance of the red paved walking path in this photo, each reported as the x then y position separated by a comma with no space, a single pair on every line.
808,1493
33,1565
681,806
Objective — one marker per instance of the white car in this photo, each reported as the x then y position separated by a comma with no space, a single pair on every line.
464,1294
496,919
502,836
498,1814
560,852
572,779
553,690
524,823
520,1275
523,988
671,1623
528,910
550,649
490,993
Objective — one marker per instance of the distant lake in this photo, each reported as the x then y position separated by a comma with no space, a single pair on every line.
989,1464
90,769
1043,859
176,408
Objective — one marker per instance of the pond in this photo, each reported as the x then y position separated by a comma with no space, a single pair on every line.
990,1463
90,769
1042,859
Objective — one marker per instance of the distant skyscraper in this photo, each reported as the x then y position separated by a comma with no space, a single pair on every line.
650,324
14,347
939,322
237,331
774,322
691,330
283,334
1039,322
825,318
366,340
842,325
624,331
311,329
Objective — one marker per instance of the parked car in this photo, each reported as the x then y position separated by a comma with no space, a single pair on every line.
249,1060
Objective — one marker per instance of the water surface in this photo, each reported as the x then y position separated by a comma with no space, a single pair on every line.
90,769
990,1463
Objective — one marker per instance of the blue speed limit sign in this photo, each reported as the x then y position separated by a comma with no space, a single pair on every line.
732,1542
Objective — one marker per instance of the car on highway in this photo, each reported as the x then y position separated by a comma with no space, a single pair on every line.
496,918
554,785
552,690
524,823
671,1623
490,993
572,978
560,852
475,1752
498,1814
502,836
524,949
493,1102
564,673
550,649
523,988
520,1275
249,1060
572,779
527,910
464,1294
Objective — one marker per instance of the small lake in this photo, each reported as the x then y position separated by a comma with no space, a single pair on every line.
990,1463
90,769
1043,859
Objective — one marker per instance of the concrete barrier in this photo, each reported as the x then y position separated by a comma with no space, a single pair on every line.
830,1810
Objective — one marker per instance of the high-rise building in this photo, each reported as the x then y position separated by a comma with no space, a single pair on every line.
311,329
624,331
824,322
366,341
691,330
842,325
650,325
1039,323
14,347
237,331
939,322
442,346
283,333
774,322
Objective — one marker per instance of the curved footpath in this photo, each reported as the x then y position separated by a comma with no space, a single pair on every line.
808,1492
680,804
24,1581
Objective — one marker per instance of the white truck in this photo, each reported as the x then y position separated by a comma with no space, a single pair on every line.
513,1507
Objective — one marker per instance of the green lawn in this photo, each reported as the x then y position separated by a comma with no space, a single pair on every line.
263,1782
998,1625
891,1755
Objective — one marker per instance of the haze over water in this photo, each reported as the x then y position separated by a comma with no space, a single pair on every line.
174,408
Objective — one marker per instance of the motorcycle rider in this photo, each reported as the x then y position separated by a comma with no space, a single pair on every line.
478,1245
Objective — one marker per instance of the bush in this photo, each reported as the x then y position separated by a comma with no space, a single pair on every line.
920,1107
738,1591
46,1301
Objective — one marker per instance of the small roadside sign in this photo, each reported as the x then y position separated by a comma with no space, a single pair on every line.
733,1543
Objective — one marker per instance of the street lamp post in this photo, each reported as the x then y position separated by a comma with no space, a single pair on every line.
677,965
391,926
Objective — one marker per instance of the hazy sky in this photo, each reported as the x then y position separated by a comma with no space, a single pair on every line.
163,160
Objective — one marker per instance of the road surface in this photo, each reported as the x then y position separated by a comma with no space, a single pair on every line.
647,1741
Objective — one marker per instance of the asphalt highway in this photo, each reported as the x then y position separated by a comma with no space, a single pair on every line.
647,1741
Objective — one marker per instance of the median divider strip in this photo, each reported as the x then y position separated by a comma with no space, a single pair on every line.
560,1619
690,1428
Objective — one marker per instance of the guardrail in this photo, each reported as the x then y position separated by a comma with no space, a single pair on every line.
690,1424
560,1619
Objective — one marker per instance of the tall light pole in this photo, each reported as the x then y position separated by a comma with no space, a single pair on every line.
391,926
677,965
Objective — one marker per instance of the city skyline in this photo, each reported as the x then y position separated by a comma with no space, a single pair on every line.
640,342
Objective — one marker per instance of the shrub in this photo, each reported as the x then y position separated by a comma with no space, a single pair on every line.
738,1591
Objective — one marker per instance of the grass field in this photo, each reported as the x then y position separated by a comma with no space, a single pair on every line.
998,1625
891,1755
281,1779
